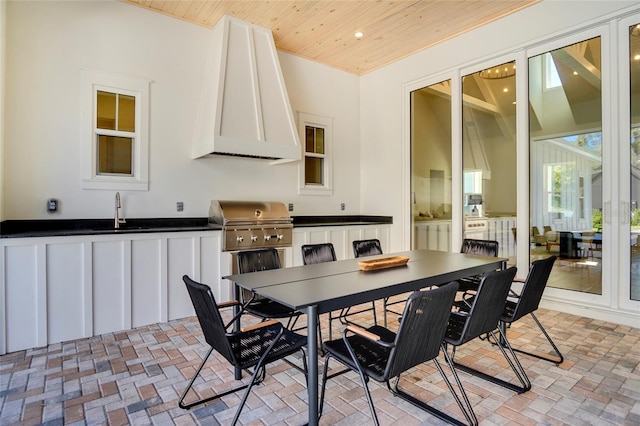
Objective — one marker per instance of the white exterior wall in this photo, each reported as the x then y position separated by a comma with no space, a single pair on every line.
384,138
47,43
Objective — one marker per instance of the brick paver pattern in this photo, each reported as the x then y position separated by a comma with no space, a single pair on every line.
136,377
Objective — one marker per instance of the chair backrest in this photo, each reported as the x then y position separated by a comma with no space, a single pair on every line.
423,325
532,290
258,260
547,228
362,248
318,253
480,247
209,318
488,303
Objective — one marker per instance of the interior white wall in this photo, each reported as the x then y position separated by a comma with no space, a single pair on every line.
383,136
49,42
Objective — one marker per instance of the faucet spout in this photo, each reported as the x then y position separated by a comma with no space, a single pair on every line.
117,218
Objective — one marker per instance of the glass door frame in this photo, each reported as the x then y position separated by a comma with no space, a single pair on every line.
622,294
609,190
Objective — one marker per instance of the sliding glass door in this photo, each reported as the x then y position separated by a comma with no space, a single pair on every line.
566,175
431,166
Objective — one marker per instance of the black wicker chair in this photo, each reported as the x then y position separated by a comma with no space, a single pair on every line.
527,301
262,260
319,253
382,355
479,247
480,316
251,348
363,248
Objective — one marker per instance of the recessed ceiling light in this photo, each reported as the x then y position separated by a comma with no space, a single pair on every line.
636,57
575,73
505,90
359,34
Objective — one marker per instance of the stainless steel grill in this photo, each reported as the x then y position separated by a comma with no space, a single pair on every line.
252,224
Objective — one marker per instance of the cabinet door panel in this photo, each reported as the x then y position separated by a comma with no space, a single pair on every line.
21,296
65,292
181,256
146,284
108,287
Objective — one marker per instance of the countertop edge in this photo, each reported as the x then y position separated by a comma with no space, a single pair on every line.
73,227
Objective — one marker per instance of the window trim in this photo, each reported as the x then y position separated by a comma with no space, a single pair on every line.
326,123
92,81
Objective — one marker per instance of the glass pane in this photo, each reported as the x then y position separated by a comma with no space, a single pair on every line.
431,166
106,110
309,139
319,141
126,113
634,46
115,155
313,168
565,125
489,156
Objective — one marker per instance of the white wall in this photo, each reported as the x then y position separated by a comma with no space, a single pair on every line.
49,42
383,145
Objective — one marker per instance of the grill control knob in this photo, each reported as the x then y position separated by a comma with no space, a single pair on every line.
280,236
254,238
267,237
239,238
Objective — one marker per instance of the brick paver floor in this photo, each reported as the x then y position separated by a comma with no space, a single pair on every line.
136,377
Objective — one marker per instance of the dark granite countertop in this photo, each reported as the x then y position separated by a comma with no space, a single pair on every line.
340,220
66,227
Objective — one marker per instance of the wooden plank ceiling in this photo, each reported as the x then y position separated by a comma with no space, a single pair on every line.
323,31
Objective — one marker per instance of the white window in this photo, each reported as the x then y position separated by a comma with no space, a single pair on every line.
314,172
115,120
551,76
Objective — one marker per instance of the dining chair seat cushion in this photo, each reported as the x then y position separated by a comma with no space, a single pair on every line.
373,358
249,346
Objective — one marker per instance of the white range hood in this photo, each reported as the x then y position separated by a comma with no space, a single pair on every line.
245,110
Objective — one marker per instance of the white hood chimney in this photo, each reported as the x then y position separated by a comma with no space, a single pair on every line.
245,110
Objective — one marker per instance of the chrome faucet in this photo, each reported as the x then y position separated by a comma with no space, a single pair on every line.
117,219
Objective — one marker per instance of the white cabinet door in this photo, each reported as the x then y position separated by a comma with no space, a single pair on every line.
110,285
21,293
147,301
63,288
66,302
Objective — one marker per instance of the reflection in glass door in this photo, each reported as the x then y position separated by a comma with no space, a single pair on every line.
431,167
565,125
634,71
489,156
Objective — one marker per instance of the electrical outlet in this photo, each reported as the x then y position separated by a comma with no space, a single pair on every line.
290,207
52,205
342,206
179,206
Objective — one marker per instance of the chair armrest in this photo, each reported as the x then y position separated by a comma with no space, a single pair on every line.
519,280
259,325
228,304
373,337
362,332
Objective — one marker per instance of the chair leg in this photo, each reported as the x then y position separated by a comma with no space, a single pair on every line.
513,361
559,356
184,406
464,404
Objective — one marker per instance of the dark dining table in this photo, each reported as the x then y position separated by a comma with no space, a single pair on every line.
325,287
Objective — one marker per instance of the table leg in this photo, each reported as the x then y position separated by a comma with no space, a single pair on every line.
236,326
312,364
